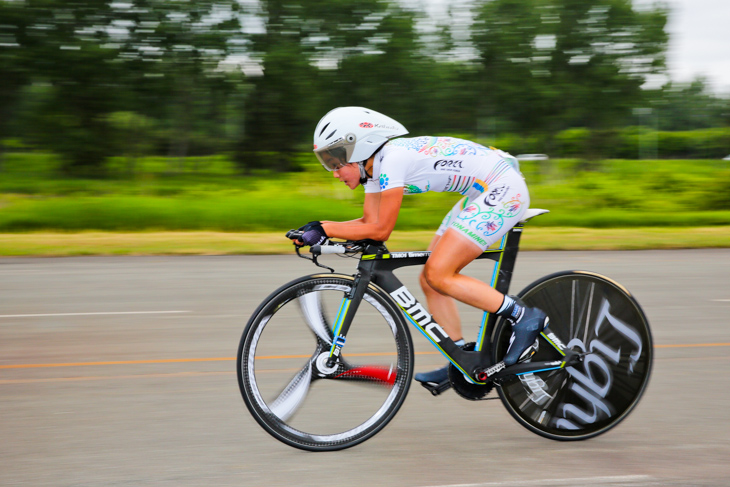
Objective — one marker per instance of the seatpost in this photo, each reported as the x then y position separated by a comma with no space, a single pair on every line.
511,248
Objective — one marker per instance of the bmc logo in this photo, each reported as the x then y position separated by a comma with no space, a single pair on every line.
418,314
366,125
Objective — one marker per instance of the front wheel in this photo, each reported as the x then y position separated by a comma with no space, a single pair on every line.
589,314
283,373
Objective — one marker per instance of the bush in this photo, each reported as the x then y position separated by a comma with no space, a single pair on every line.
573,142
719,192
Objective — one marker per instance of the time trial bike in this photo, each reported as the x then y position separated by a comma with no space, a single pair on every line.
326,361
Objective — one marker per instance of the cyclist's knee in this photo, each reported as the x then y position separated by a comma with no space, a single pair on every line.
425,286
436,278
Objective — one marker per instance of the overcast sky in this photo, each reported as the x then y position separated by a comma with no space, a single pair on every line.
699,43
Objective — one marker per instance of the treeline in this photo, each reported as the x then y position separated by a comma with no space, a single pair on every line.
88,79
632,142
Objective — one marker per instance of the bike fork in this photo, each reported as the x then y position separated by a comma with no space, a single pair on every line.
345,315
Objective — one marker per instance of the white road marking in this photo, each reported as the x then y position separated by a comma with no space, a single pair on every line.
94,314
722,300
632,479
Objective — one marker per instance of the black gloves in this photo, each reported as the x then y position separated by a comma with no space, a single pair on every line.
313,233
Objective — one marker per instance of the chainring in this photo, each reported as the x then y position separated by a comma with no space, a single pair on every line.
464,388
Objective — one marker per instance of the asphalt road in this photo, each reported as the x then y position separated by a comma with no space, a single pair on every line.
120,371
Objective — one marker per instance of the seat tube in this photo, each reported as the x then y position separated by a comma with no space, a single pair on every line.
346,313
501,278
507,266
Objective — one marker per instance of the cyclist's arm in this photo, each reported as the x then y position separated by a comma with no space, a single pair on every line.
380,212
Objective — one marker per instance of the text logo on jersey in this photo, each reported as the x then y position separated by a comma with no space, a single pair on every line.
496,195
452,165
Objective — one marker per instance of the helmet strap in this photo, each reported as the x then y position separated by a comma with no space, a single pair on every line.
363,173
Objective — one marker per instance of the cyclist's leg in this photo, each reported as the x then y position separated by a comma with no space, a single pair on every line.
442,273
483,222
442,307
480,222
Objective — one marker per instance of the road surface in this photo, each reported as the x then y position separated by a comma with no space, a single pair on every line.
121,371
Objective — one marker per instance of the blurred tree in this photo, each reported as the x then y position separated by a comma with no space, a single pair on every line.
65,46
554,64
299,40
171,52
14,73
134,136
399,75
157,58
507,34
689,106
78,76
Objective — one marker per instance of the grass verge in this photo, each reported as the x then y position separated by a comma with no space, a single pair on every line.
52,244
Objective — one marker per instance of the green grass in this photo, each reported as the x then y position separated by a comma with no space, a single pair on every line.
207,194
219,243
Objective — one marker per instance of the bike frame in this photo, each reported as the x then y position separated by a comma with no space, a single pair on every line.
377,265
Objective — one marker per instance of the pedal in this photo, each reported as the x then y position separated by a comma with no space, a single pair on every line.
437,388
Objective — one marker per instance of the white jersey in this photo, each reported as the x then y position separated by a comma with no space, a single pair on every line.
442,164
495,194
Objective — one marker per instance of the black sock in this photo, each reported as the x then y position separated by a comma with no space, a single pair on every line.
512,309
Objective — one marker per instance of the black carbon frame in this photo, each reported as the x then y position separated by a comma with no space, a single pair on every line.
377,265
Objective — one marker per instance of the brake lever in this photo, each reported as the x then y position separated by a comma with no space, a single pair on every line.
313,258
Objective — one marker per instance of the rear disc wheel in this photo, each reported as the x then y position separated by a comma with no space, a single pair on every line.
590,314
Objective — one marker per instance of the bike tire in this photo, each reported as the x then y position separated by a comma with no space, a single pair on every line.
589,313
309,406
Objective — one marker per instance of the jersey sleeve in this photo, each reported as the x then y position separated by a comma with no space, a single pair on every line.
372,185
392,172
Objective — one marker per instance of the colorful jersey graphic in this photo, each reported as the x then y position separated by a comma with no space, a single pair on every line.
442,164
486,217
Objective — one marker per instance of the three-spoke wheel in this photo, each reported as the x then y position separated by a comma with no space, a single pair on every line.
589,314
287,384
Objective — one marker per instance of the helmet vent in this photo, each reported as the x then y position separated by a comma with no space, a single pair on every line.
323,129
330,135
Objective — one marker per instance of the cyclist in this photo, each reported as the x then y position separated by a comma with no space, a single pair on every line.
360,146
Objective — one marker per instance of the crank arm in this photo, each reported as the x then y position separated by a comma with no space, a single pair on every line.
499,371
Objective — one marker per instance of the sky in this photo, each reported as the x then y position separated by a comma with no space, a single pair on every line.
699,42
699,39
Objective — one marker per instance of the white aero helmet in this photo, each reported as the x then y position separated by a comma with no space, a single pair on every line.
352,134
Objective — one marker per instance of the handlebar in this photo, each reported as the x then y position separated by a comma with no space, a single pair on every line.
330,247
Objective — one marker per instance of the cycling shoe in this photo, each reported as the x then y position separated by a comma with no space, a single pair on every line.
524,333
435,376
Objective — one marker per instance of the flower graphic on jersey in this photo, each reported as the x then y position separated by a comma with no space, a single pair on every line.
490,223
490,227
486,223
383,181
469,212
413,189
512,207
440,146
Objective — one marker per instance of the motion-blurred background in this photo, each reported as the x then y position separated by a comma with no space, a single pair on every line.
180,115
